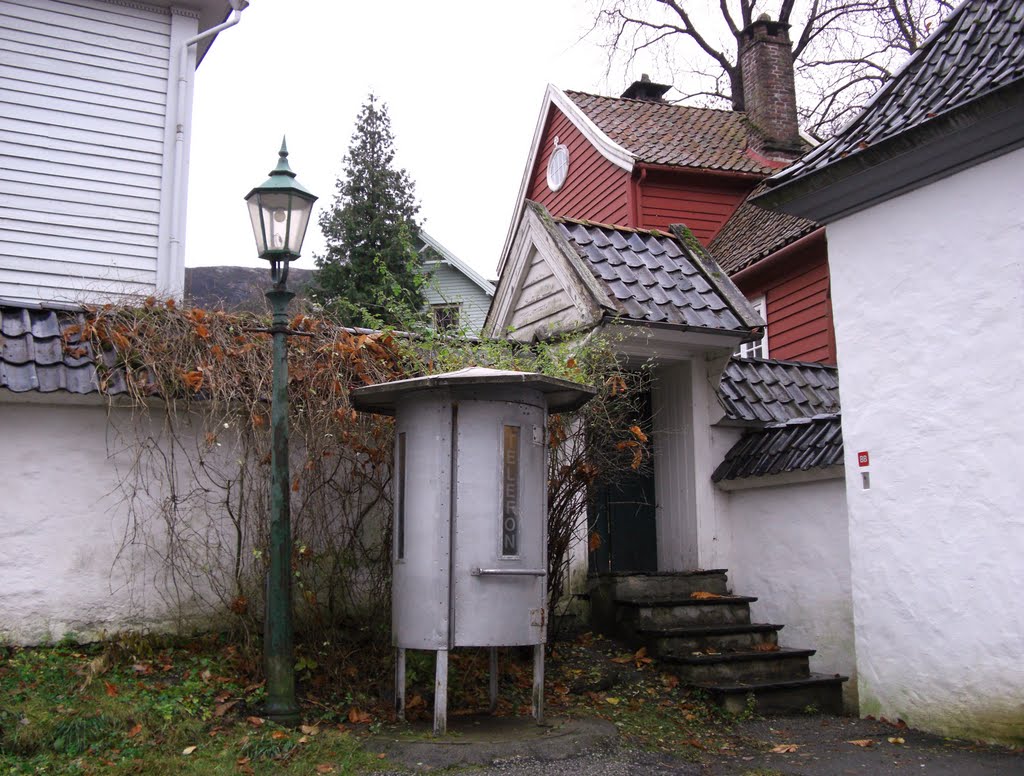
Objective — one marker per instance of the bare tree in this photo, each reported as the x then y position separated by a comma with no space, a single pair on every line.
842,49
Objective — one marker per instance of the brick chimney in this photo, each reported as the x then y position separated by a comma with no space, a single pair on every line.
646,90
769,91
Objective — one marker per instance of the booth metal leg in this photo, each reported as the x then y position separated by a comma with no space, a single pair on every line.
538,683
400,684
441,693
494,679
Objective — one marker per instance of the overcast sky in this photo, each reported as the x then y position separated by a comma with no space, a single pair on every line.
463,82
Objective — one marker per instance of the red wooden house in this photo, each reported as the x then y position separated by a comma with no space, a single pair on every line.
638,161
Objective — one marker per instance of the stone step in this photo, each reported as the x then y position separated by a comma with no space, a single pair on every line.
680,612
817,693
666,642
741,666
625,586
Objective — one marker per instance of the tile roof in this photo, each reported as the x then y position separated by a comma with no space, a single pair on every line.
651,277
679,135
798,445
33,356
977,50
770,391
753,233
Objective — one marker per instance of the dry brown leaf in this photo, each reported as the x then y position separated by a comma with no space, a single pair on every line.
309,730
594,542
784,748
136,729
622,659
896,740
111,690
325,768
255,721
357,717
862,742
704,595
765,648
277,735
189,749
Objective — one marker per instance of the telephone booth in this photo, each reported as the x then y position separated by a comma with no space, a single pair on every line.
469,546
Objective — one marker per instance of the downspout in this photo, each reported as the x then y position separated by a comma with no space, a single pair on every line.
177,222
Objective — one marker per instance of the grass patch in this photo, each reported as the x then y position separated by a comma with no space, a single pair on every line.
151,706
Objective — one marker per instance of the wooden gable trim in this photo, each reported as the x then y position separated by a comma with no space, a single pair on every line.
538,235
608,148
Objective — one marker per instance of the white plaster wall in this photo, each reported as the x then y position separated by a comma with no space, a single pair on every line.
788,546
63,520
928,300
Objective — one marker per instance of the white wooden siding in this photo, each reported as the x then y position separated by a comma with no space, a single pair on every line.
449,286
543,305
83,129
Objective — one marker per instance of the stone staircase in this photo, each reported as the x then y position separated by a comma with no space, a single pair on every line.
709,640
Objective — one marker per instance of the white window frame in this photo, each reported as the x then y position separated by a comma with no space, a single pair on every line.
757,348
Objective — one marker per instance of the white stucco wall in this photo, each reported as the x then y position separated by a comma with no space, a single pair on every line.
788,546
928,301
63,521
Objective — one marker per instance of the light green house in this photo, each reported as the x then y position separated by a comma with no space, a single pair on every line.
458,295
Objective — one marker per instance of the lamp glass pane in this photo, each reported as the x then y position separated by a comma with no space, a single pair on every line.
301,210
257,228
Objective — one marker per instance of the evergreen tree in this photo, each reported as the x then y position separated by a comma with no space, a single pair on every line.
369,273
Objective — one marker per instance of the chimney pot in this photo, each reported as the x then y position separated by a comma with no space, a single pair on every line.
645,89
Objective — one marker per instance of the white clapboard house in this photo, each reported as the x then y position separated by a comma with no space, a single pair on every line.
95,118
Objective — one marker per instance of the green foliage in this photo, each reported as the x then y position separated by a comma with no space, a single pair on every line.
369,274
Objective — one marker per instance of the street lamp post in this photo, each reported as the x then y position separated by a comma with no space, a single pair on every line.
280,209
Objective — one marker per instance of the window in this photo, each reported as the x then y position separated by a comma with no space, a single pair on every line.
757,348
558,166
446,316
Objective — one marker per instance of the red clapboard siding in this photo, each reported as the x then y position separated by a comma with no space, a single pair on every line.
799,309
595,189
703,203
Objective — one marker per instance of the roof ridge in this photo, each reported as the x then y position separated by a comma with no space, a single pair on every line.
614,227
785,362
742,113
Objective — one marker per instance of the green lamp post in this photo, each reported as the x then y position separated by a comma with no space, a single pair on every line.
280,209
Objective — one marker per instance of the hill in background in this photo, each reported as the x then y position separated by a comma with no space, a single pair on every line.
237,288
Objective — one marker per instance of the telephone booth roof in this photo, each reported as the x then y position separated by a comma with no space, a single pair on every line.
562,395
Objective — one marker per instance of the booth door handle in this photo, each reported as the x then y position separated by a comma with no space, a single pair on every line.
509,572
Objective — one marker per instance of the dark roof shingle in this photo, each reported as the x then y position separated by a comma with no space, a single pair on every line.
977,50
678,135
798,445
650,277
758,390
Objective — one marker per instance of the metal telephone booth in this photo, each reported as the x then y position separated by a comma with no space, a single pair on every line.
469,547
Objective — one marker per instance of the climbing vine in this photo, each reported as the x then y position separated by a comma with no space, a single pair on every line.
189,392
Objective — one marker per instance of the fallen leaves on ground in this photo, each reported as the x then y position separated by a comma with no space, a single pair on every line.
897,740
862,742
703,595
325,768
784,748
189,749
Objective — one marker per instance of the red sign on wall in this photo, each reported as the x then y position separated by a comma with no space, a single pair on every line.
863,459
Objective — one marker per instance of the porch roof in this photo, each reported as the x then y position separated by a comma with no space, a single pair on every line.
654,277
797,445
